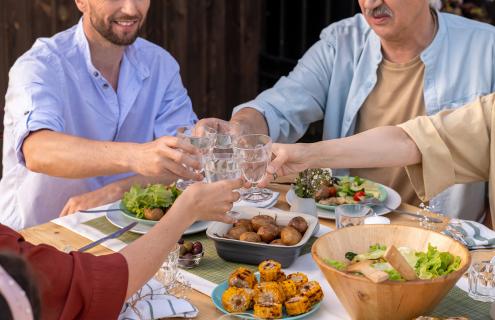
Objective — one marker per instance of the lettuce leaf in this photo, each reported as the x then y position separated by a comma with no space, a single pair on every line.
153,196
339,265
433,263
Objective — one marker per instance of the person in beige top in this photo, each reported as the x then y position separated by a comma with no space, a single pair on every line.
453,146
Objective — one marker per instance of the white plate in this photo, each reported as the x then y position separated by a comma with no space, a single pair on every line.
119,220
393,201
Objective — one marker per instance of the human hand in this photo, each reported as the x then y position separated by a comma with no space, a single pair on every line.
209,201
167,155
91,199
289,159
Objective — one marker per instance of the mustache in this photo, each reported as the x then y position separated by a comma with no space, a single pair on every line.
379,11
126,17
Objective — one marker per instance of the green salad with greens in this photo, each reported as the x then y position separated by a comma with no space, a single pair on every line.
427,265
153,196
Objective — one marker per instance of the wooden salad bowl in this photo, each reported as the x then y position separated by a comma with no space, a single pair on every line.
364,299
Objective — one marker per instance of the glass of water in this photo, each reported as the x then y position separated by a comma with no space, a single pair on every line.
227,134
167,274
254,153
201,137
481,276
222,166
347,215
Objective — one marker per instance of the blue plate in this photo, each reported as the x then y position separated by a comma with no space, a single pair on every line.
216,296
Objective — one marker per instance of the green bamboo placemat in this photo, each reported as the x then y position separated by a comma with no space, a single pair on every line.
216,270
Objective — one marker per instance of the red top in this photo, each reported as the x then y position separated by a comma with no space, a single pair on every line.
75,285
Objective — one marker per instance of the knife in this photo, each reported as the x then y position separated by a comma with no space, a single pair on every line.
116,234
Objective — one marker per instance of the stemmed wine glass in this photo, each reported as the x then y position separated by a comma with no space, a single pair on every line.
254,154
203,138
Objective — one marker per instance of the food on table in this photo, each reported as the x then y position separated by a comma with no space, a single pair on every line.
312,291
237,299
299,224
242,278
297,305
261,220
268,311
151,202
346,190
188,252
268,298
437,318
269,270
427,265
268,292
299,278
244,222
263,228
269,232
290,236
289,288
250,236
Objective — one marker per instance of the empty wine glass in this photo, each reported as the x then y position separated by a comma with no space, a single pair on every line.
254,153
222,166
201,137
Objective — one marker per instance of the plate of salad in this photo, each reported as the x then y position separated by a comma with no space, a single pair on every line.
149,204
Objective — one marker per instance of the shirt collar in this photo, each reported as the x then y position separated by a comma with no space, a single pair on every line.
131,53
431,52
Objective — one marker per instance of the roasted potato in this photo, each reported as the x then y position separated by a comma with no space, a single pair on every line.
250,237
235,232
277,241
290,236
268,232
299,224
244,222
153,214
261,220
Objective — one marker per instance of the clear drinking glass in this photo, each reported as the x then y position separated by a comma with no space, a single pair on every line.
347,215
222,166
254,152
481,276
167,274
201,137
227,134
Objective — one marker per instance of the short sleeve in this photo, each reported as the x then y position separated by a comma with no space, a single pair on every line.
454,145
33,99
176,107
76,285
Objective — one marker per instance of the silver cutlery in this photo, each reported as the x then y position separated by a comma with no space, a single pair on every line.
116,234
376,202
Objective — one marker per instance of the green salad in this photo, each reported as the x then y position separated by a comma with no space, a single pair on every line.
427,265
153,196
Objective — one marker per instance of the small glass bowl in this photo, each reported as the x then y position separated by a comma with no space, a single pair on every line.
191,262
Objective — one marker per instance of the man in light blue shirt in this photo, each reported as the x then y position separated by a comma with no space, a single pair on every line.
89,112
337,75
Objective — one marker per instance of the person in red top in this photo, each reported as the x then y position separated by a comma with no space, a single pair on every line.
83,286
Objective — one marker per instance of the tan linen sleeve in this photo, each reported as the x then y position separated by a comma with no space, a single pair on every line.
455,147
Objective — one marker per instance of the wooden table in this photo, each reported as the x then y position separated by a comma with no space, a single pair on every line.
60,237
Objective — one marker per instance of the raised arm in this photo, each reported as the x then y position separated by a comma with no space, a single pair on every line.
62,155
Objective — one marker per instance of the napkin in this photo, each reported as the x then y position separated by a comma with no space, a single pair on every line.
153,302
472,234
263,204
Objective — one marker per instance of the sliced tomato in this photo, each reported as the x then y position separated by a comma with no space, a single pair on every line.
358,196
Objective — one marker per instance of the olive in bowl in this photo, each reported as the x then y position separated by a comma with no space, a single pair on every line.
190,254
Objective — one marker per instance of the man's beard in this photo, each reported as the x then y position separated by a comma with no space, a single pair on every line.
106,31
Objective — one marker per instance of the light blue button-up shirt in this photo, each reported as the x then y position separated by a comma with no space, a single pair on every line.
55,86
336,75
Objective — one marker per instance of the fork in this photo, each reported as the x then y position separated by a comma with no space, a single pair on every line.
376,202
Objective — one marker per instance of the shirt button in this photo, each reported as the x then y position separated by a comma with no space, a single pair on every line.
95,74
105,85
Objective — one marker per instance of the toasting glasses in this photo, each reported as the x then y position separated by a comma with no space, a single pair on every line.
201,137
254,153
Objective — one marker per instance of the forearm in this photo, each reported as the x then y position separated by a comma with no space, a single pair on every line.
375,148
251,121
145,255
67,156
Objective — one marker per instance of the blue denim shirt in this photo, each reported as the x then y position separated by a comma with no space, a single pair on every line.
335,76
55,86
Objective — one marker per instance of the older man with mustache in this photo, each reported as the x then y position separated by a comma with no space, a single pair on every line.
397,60
89,112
